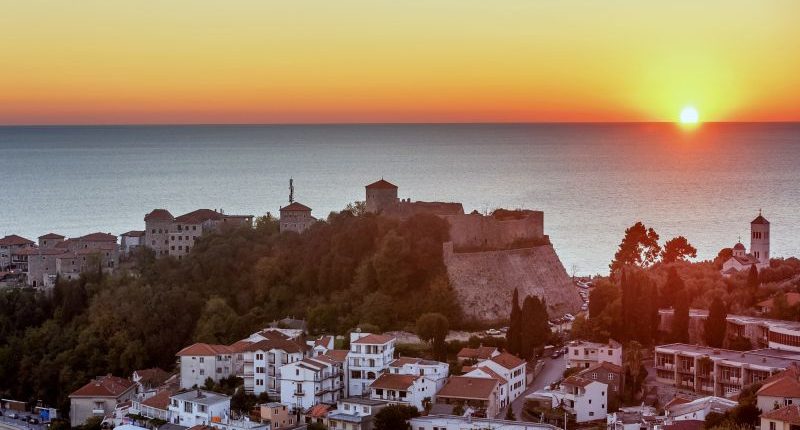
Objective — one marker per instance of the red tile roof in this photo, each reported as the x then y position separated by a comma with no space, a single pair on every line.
319,411
104,386
393,381
159,215
487,370
783,384
14,240
467,387
374,339
686,425
99,237
759,220
480,353
268,344
199,216
152,377
340,355
133,233
51,236
382,184
788,414
204,349
160,400
295,207
604,365
578,381
508,361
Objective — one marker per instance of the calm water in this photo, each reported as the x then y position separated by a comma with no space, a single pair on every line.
592,181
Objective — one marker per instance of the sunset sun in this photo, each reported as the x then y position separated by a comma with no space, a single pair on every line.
689,115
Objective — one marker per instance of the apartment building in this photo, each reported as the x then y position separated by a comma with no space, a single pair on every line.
201,361
583,354
260,357
311,381
370,355
199,407
717,372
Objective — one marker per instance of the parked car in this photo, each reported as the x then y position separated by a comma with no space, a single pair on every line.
13,415
493,332
33,420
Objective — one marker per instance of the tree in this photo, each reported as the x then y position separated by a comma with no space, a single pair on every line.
458,409
395,417
752,279
639,247
602,295
633,366
515,325
218,324
535,330
433,328
677,249
680,318
671,288
510,414
715,324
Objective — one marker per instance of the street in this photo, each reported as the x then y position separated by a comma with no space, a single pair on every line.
15,424
552,371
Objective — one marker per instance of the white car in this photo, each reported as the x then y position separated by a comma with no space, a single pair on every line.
493,332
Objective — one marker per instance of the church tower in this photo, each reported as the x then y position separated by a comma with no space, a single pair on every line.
759,239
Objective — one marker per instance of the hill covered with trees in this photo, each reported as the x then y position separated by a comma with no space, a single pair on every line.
353,269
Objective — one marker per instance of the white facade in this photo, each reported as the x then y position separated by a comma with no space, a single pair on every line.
407,390
435,371
311,381
583,354
199,407
369,356
262,354
586,399
502,383
698,409
202,361
512,369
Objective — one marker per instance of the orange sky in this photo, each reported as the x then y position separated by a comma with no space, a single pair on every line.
264,61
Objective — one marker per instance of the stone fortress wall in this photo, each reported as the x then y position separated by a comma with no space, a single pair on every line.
488,256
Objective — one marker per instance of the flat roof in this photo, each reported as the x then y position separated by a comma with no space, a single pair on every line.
762,357
205,398
363,401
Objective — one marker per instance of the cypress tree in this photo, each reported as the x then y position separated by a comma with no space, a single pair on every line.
716,323
513,336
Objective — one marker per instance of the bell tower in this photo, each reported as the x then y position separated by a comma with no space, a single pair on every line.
759,238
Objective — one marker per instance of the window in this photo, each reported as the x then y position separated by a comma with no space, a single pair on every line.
187,407
202,359
609,352
202,408
772,425
610,376
202,372
591,414
219,370
594,375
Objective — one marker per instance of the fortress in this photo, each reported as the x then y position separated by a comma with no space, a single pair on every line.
490,255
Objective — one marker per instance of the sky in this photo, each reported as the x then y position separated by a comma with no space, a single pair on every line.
361,61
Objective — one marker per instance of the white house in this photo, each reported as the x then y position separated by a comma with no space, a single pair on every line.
584,354
502,383
512,369
435,371
370,355
411,390
199,407
260,357
586,399
780,390
784,418
202,361
311,381
697,409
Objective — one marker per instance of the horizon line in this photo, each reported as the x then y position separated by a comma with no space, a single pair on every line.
235,124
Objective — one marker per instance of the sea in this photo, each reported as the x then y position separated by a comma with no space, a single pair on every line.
591,180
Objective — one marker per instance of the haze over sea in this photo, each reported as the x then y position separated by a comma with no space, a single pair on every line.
591,180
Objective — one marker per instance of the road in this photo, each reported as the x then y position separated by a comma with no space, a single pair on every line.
10,423
552,371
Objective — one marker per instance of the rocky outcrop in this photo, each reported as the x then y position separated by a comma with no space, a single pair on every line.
484,281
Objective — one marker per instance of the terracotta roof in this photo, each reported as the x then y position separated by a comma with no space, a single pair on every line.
199,216
759,220
746,259
792,299
788,414
134,233
508,361
99,237
159,215
480,353
467,369
783,384
204,349
604,365
393,381
738,245
339,355
51,236
14,240
323,341
686,425
160,400
104,386
152,377
319,411
375,339
240,346
487,370
578,381
467,387
382,184
268,344
295,206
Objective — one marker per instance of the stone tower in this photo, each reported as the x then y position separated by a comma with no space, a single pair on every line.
759,239
381,196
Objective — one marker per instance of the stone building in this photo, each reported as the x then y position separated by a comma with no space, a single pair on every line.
9,248
130,241
176,236
759,249
296,217
68,258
